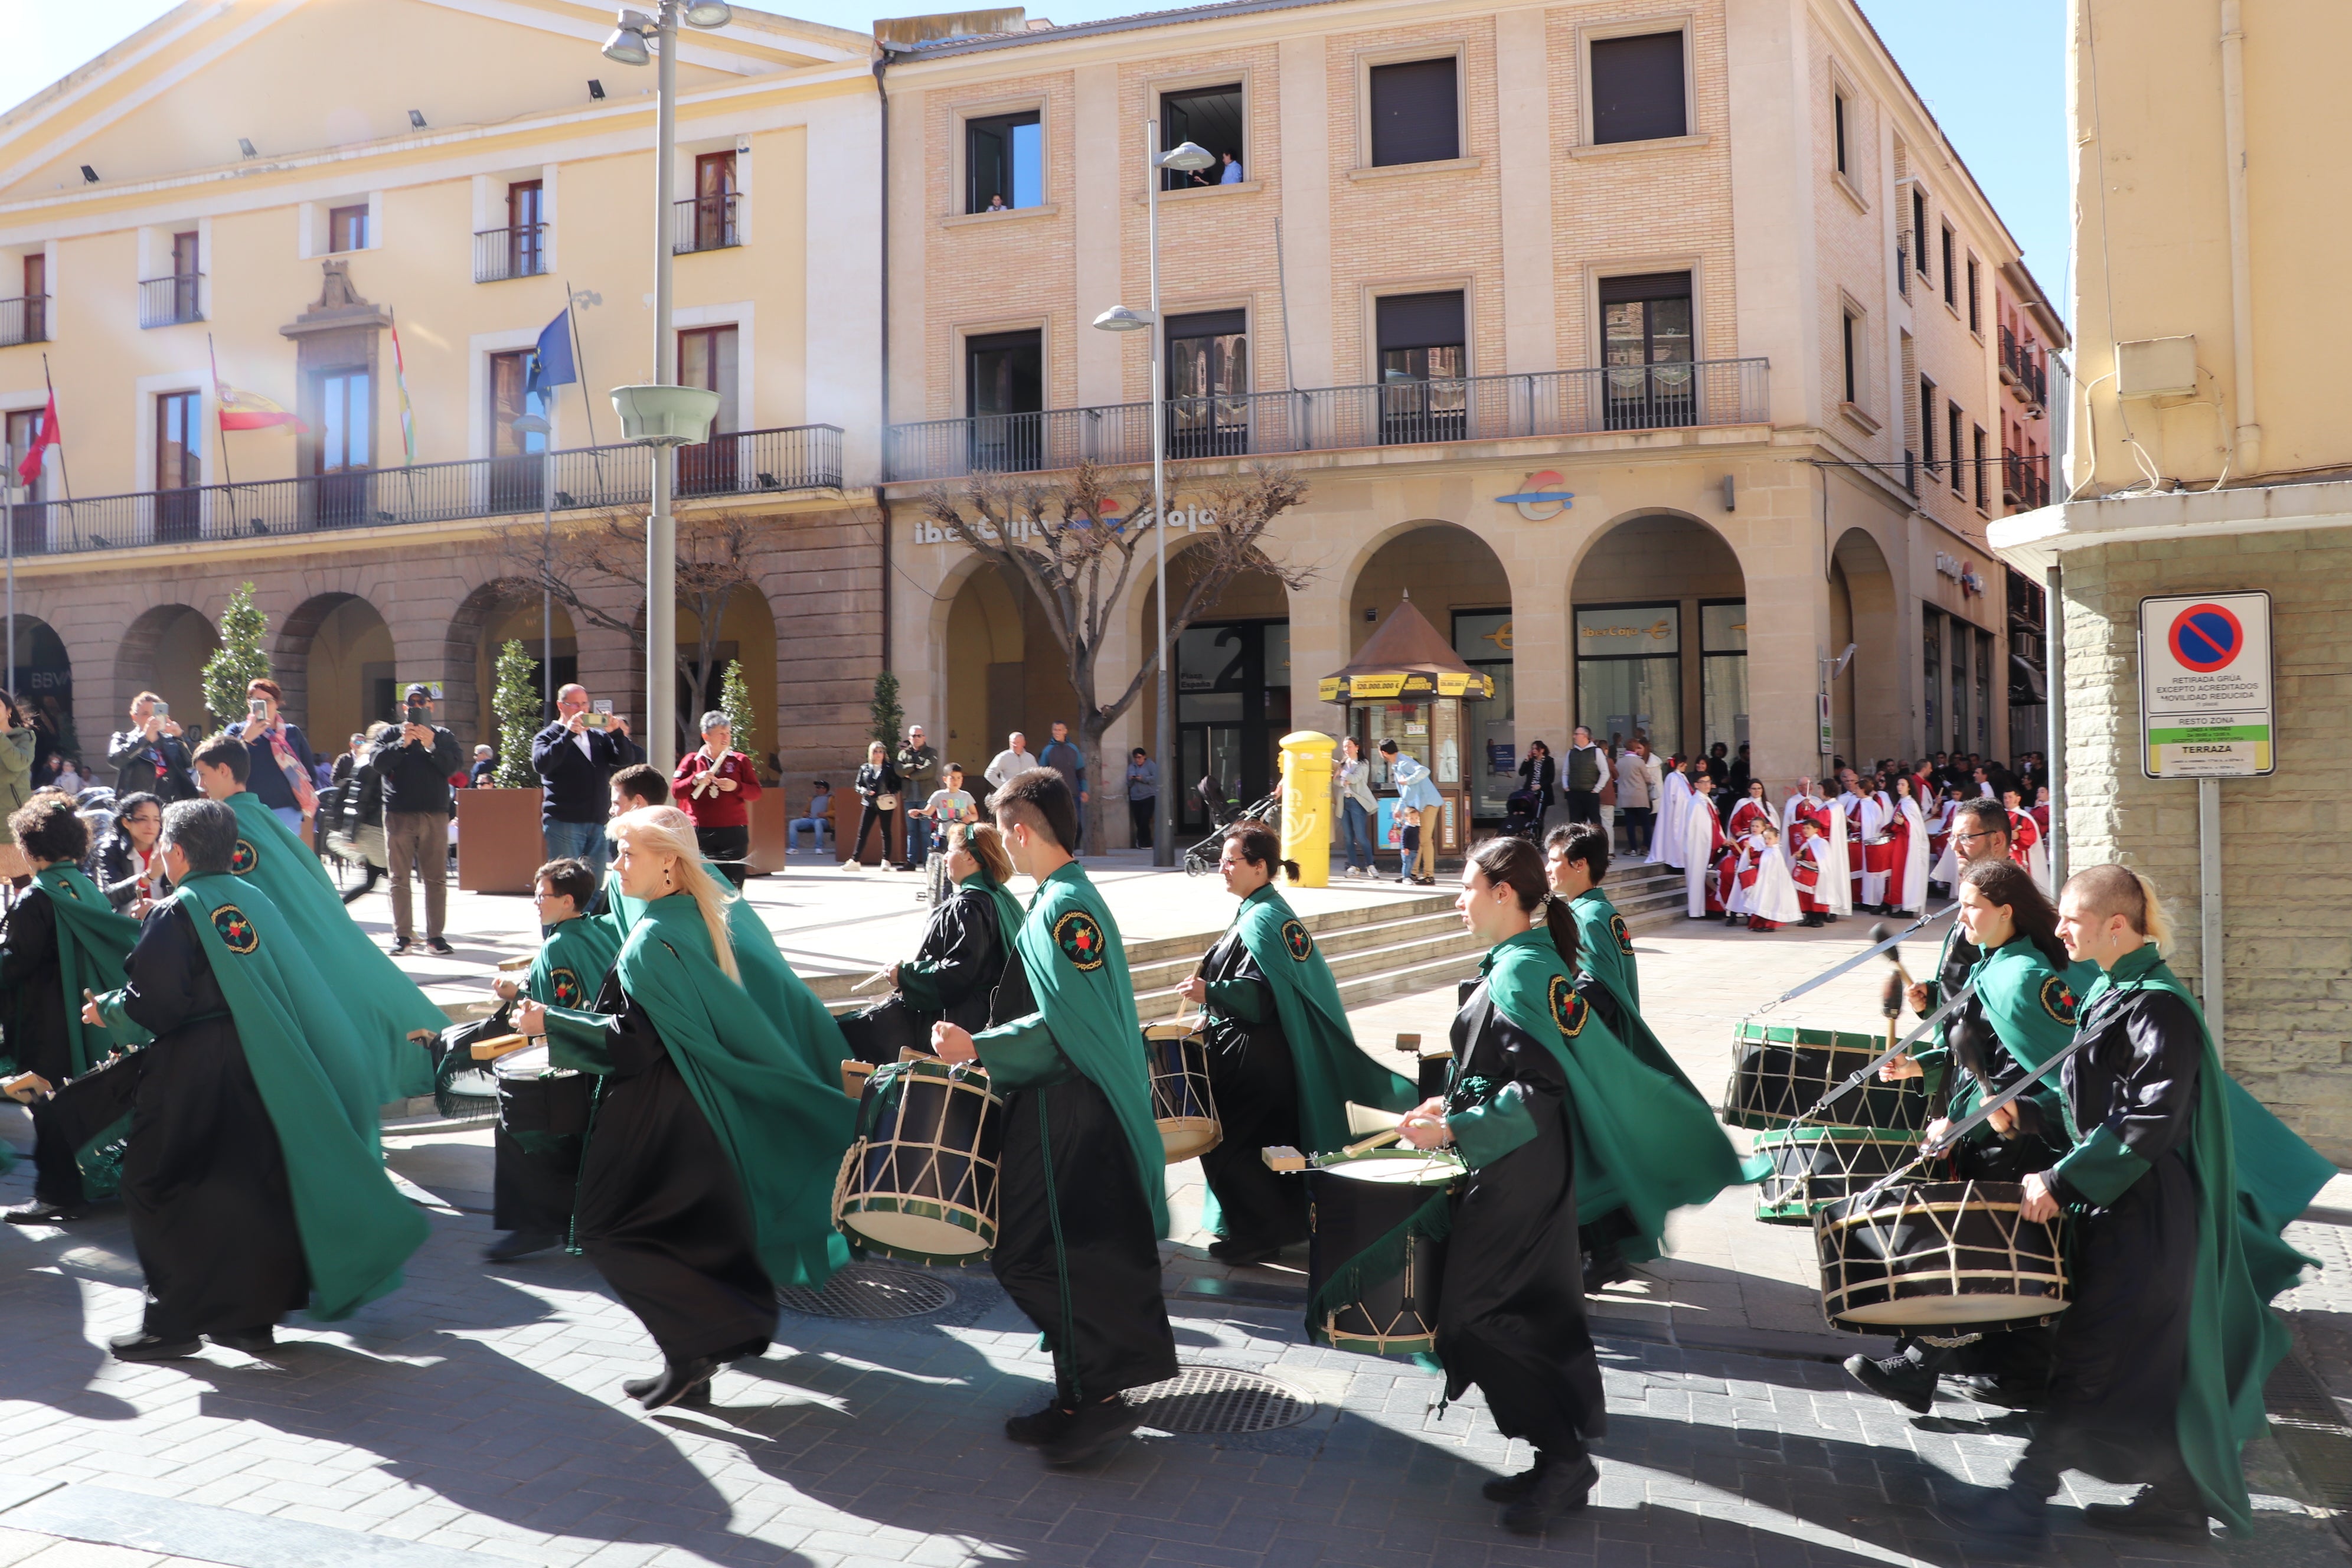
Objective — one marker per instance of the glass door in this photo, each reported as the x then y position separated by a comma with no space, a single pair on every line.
1629,672
1005,376
347,423
179,465
1646,344
1208,384
706,358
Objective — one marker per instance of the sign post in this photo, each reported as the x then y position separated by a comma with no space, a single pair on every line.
2208,711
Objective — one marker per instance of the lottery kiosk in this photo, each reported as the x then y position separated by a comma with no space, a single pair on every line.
1406,684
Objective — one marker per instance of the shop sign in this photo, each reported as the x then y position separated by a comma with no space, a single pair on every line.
1190,518
1540,497
2205,705
1376,686
1633,629
1961,571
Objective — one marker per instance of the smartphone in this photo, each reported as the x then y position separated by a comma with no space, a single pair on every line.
416,715
162,710
594,720
257,710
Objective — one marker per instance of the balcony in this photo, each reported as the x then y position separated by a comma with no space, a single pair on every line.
2024,372
25,320
518,251
2024,480
703,223
1336,418
1902,266
169,301
743,464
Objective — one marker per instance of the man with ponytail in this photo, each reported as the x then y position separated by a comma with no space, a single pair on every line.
1082,1196
719,1122
2177,1186
1561,1126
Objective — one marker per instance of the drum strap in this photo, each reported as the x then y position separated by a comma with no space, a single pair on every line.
1856,962
1976,1119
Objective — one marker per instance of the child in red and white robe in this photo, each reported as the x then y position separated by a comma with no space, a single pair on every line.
1764,892
2025,845
1806,870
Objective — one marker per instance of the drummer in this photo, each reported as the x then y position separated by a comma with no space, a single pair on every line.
963,955
2020,1015
1979,832
1283,1064
531,1189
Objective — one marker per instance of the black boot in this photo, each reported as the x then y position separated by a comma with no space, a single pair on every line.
1511,1489
1091,1429
256,1341
680,1383
1561,1486
1038,1428
2166,1511
1898,1378
144,1346
520,1244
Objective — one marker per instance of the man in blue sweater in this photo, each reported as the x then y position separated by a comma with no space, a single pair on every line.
574,757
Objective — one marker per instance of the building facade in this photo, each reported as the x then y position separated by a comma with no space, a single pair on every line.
2207,454
1659,354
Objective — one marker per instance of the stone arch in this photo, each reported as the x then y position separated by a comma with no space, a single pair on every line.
164,650
44,690
335,662
1672,587
487,618
1866,706
1237,693
1002,668
748,626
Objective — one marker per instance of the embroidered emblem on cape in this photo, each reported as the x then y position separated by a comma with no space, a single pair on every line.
2058,1000
1568,1009
237,933
244,858
68,889
1624,937
1080,940
566,986
1295,938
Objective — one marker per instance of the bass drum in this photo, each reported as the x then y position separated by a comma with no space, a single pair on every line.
538,1102
1181,1100
1946,1257
920,1180
1389,1304
1779,1073
1802,1168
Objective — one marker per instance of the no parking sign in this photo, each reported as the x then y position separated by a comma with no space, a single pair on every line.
2205,700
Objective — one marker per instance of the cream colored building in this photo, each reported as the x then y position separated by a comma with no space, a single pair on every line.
2209,454
277,189
1706,281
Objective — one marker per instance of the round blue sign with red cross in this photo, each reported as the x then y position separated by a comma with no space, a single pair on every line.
2206,637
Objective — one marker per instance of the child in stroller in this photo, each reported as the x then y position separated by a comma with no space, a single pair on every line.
1522,816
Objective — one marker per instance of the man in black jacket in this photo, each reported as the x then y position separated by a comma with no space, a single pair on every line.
150,757
575,757
414,764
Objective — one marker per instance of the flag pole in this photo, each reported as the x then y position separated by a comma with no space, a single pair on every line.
63,474
8,510
579,361
214,354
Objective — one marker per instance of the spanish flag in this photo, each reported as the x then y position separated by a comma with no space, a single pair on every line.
246,410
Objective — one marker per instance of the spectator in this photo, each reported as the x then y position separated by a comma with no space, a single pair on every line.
129,866
360,815
820,815
1142,799
70,779
951,806
878,786
486,760
1637,796
348,763
1358,808
1585,762
1607,794
1418,806
574,757
1736,781
919,770
716,786
638,784
151,756
413,763
1539,775
1062,755
278,762
1013,760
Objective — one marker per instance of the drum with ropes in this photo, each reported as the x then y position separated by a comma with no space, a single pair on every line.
1181,1100
919,1181
1950,1257
1372,1277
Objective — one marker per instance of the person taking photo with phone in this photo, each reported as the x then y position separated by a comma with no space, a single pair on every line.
279,761
150,757
413,766
575,757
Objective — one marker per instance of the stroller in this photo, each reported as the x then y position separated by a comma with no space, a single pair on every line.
1522,816
1201,857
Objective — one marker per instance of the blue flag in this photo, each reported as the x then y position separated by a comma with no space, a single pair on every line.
550,363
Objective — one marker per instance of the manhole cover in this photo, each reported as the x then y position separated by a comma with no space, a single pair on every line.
1202,1399
870,1290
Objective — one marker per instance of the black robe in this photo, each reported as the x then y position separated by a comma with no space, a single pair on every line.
34,1014
1074,1243
964,955
1510,1312
662,1213
2122,1347
203,1178
1255,1083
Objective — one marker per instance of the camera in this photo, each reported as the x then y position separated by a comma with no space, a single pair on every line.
594,720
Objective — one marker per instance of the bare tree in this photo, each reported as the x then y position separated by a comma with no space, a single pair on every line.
1051,535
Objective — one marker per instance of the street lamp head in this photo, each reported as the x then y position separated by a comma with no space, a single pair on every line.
1188,155
709,14
1119,319
627,44
531,425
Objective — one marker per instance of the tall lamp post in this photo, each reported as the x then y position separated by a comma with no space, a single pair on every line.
630,45
526,426
1189,156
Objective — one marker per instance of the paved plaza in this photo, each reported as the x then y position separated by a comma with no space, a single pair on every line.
476,1411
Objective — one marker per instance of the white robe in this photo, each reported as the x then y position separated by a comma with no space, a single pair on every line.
2037,865
1667,833
1698,843
1789,810
1910,891
1774,895
1837,888
1947,868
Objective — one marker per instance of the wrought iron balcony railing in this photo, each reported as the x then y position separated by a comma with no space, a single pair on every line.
168,301
745,463
2025,480
1331,418
25,320
703,223
519,251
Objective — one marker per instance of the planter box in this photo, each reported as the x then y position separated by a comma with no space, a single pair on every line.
769,817
498,840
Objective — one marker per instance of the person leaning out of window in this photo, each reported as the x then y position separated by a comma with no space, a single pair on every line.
879,788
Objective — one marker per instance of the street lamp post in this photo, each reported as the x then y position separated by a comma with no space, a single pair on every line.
1189,156
526,426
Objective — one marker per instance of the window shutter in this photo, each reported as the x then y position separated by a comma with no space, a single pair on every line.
1637,88
1415,118
1421,321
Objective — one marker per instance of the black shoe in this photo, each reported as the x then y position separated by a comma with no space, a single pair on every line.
258,1341
144,1346
680,1383
1243,1254
1560,1488
2154,1514
1898,1378
517,1244
1602,1270
2010,1393
438,944
400,946
1732,919
1038,1428
2001,1517
1092,1428
1511,1489
38,1212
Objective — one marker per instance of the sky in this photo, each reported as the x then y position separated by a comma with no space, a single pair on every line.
1993,71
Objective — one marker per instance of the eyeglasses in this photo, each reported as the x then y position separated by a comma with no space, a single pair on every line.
1972,837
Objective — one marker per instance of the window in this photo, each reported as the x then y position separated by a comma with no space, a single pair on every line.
1645,344
706,358
1980,461
1928,422
346,228
1955,658
1837,132
1931,642
1421,340
33,323
1723,673
1950,283
1209,116
1004,162
1629,672
1482,639
22,428
1976,317
1919,228
1208,384
179,463
1637,89
1850,355
1416,112
186,274
1952,444
1983,713
515,476
709,224
526,229
347,420
1004,391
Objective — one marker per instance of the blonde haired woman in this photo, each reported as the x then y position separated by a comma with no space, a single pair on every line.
707,1175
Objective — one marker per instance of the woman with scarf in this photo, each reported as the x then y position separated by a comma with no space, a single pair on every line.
281,766
1283,1063
963,955
706,1180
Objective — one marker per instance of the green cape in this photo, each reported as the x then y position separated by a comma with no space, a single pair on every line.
92,943
1604,950
383,1002
2031,1006
2234,1338
785,1124
1331,1070
1644,1142
1077,967
318,1077
571,963
783,995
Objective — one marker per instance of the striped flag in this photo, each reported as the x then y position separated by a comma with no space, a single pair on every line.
407,409
246,410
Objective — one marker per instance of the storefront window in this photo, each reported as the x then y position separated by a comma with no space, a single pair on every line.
1957,656
1233,708
1723,673
1483,639
1629,673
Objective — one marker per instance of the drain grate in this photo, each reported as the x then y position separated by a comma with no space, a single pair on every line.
1203,1399
870,1290
2309,1425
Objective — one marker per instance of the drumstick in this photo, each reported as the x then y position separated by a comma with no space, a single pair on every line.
27,1086
1879,933
508,965
1366,1145
498,1046
879,974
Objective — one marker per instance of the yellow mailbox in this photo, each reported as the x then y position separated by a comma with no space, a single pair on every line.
1307,805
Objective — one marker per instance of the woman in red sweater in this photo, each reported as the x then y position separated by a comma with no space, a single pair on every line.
716,787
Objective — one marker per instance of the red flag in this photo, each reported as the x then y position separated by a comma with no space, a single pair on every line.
28,472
